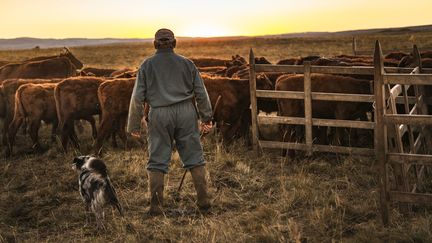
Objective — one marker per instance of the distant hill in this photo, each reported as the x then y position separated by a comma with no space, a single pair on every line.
397,30
28,43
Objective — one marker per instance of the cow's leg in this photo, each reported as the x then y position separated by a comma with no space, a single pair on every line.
6,123
54,130
340,114
321,134
24,127
13,129
114,143
34,126
68,132
246,122
122,131
228,133
105,129
64,136
73,136
114,132
92,122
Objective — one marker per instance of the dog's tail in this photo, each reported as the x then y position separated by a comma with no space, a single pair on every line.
112,195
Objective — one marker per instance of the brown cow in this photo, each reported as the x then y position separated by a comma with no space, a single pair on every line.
236,60
232,111
208,62
212,70
33,103
261,60
98,72
408,61
235,69
397,55
322,61
65,53
76,98
236,64
61,66
2,63
322,109
9,87
114,98
426,54
307,58
124,72
288,61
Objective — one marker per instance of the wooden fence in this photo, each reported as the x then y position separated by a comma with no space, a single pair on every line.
384,118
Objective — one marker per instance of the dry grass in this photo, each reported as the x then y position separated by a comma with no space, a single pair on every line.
131,55
256,199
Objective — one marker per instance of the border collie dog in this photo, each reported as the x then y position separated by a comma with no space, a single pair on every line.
95,186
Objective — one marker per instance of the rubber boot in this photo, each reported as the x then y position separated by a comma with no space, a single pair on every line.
199,180
156,182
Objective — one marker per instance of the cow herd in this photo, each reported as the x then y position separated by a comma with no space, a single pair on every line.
59,91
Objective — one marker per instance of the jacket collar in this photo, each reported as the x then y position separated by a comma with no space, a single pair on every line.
166,50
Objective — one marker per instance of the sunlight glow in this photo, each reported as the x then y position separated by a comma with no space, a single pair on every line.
202,18
203,30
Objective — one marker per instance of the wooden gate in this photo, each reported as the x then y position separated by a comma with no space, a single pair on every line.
390,128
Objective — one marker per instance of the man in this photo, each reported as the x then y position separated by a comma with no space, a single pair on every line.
169,83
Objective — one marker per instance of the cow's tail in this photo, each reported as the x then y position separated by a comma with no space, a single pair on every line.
19,106
57,98
100,93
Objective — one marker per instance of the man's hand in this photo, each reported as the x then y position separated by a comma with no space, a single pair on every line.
206,126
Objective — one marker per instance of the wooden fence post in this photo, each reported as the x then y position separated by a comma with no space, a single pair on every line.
380,132
253,100
308,106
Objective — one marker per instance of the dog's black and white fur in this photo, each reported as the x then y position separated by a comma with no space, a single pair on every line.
95,186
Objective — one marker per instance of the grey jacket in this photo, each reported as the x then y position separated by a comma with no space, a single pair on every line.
165,79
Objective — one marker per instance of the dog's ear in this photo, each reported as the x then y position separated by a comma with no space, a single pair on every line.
78,162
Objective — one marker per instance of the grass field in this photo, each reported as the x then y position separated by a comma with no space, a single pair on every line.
131,55
324,198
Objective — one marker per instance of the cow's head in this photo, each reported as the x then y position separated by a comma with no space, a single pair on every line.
263,82
67,53
236,61
261,60
265,104
407,61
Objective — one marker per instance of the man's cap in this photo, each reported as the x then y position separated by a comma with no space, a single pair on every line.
164,34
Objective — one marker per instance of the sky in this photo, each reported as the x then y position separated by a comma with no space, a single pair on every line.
204,18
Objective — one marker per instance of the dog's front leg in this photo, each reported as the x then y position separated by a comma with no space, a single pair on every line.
87,214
